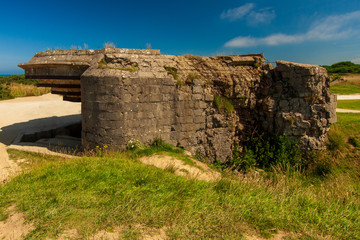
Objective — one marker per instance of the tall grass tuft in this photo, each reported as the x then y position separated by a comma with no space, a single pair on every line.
22,90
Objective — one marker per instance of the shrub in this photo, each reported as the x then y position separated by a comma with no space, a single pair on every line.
266,152
20,78
5,92
343,67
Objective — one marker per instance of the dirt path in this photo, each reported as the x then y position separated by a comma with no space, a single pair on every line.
31,114
341,110
349,97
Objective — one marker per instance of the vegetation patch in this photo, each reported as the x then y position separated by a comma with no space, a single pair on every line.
173,71
223,104
349,104
191,77
345,88
17,86
267,152
20,79
91,194
109,45
343,67
103,64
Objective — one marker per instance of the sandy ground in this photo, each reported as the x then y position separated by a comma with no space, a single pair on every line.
31,114
340,110
199,171
349,97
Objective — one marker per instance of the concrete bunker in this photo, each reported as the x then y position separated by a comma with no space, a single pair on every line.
207,105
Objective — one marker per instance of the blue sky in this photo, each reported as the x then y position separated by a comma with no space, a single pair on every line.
306,31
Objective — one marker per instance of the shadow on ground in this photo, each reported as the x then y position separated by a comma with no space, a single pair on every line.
10,134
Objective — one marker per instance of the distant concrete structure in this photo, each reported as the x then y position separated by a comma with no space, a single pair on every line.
207,105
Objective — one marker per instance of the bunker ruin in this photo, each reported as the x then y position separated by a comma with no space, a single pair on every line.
207,105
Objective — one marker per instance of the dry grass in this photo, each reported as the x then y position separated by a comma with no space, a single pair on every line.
22,90
352,77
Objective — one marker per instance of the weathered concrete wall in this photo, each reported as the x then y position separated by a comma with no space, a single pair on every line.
141,95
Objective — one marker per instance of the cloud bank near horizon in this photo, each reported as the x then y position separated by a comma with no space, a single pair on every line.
330,28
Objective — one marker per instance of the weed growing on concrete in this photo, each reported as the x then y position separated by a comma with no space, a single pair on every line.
223,104
109,45
103,64
191,77
173,71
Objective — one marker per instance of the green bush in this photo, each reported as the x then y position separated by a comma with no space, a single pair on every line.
265,152
343,67
5,92
18,79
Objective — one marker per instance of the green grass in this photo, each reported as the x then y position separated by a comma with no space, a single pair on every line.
115,190
345,88
346,132
349,123
95,193
349,104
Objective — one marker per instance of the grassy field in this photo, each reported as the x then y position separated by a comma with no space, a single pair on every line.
349,123
114,190
351,86
349,104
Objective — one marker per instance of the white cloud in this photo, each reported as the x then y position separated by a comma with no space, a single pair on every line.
264,15
248,12
331,28
238,13
357,61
